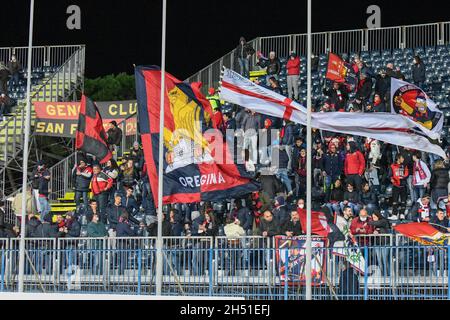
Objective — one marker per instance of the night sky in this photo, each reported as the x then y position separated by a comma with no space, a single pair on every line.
120,33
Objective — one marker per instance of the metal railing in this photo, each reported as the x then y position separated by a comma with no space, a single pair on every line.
204,266
60,86
346,41
41,55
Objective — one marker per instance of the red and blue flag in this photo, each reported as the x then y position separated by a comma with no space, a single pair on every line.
197,164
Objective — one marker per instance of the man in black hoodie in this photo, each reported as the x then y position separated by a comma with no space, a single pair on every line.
243,53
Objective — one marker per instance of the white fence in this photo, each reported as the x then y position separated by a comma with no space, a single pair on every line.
347,41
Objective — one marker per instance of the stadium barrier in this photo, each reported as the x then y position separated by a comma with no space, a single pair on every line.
346,41
41,55
250,267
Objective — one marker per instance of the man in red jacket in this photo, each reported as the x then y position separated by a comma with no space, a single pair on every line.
398,172
354,165
361,226
101,184
293,74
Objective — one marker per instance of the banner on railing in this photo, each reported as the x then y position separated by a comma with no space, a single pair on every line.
293,249
61,118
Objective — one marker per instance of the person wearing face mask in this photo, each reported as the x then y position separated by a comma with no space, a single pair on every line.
418,72
301,204
361,226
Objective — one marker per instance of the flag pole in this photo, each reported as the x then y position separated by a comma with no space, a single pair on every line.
308,159
159,242
25,153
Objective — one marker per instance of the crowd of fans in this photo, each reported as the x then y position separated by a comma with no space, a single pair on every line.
360,184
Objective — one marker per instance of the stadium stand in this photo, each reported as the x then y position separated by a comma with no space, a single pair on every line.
207,252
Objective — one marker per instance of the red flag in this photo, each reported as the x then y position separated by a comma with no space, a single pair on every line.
91,136
339,71
319,224
421,232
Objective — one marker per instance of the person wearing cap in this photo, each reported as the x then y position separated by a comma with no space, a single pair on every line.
243,52
82,174
114,137
293,75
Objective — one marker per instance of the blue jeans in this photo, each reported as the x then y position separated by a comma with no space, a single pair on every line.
355,207
283,176
45,207
418,192
14,80
244,67
81,194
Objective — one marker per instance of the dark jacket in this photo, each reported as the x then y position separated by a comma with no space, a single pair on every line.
332,165
14,67
272,227
244,216
439,179
288,134
123,229
364,90
96,230
273,66
418,210
382,85
418,72
294,227
131,205
31,226
281,215
382,225
177,226
242,51
270,185
353,197
441,225
337,194
114,136
338,98
113,213
369,198
46,230
73,229
82,181
166,229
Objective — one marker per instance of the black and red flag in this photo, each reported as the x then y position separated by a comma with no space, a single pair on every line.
91,136
196,165
340,71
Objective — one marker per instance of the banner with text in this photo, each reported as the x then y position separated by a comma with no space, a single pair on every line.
61,118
